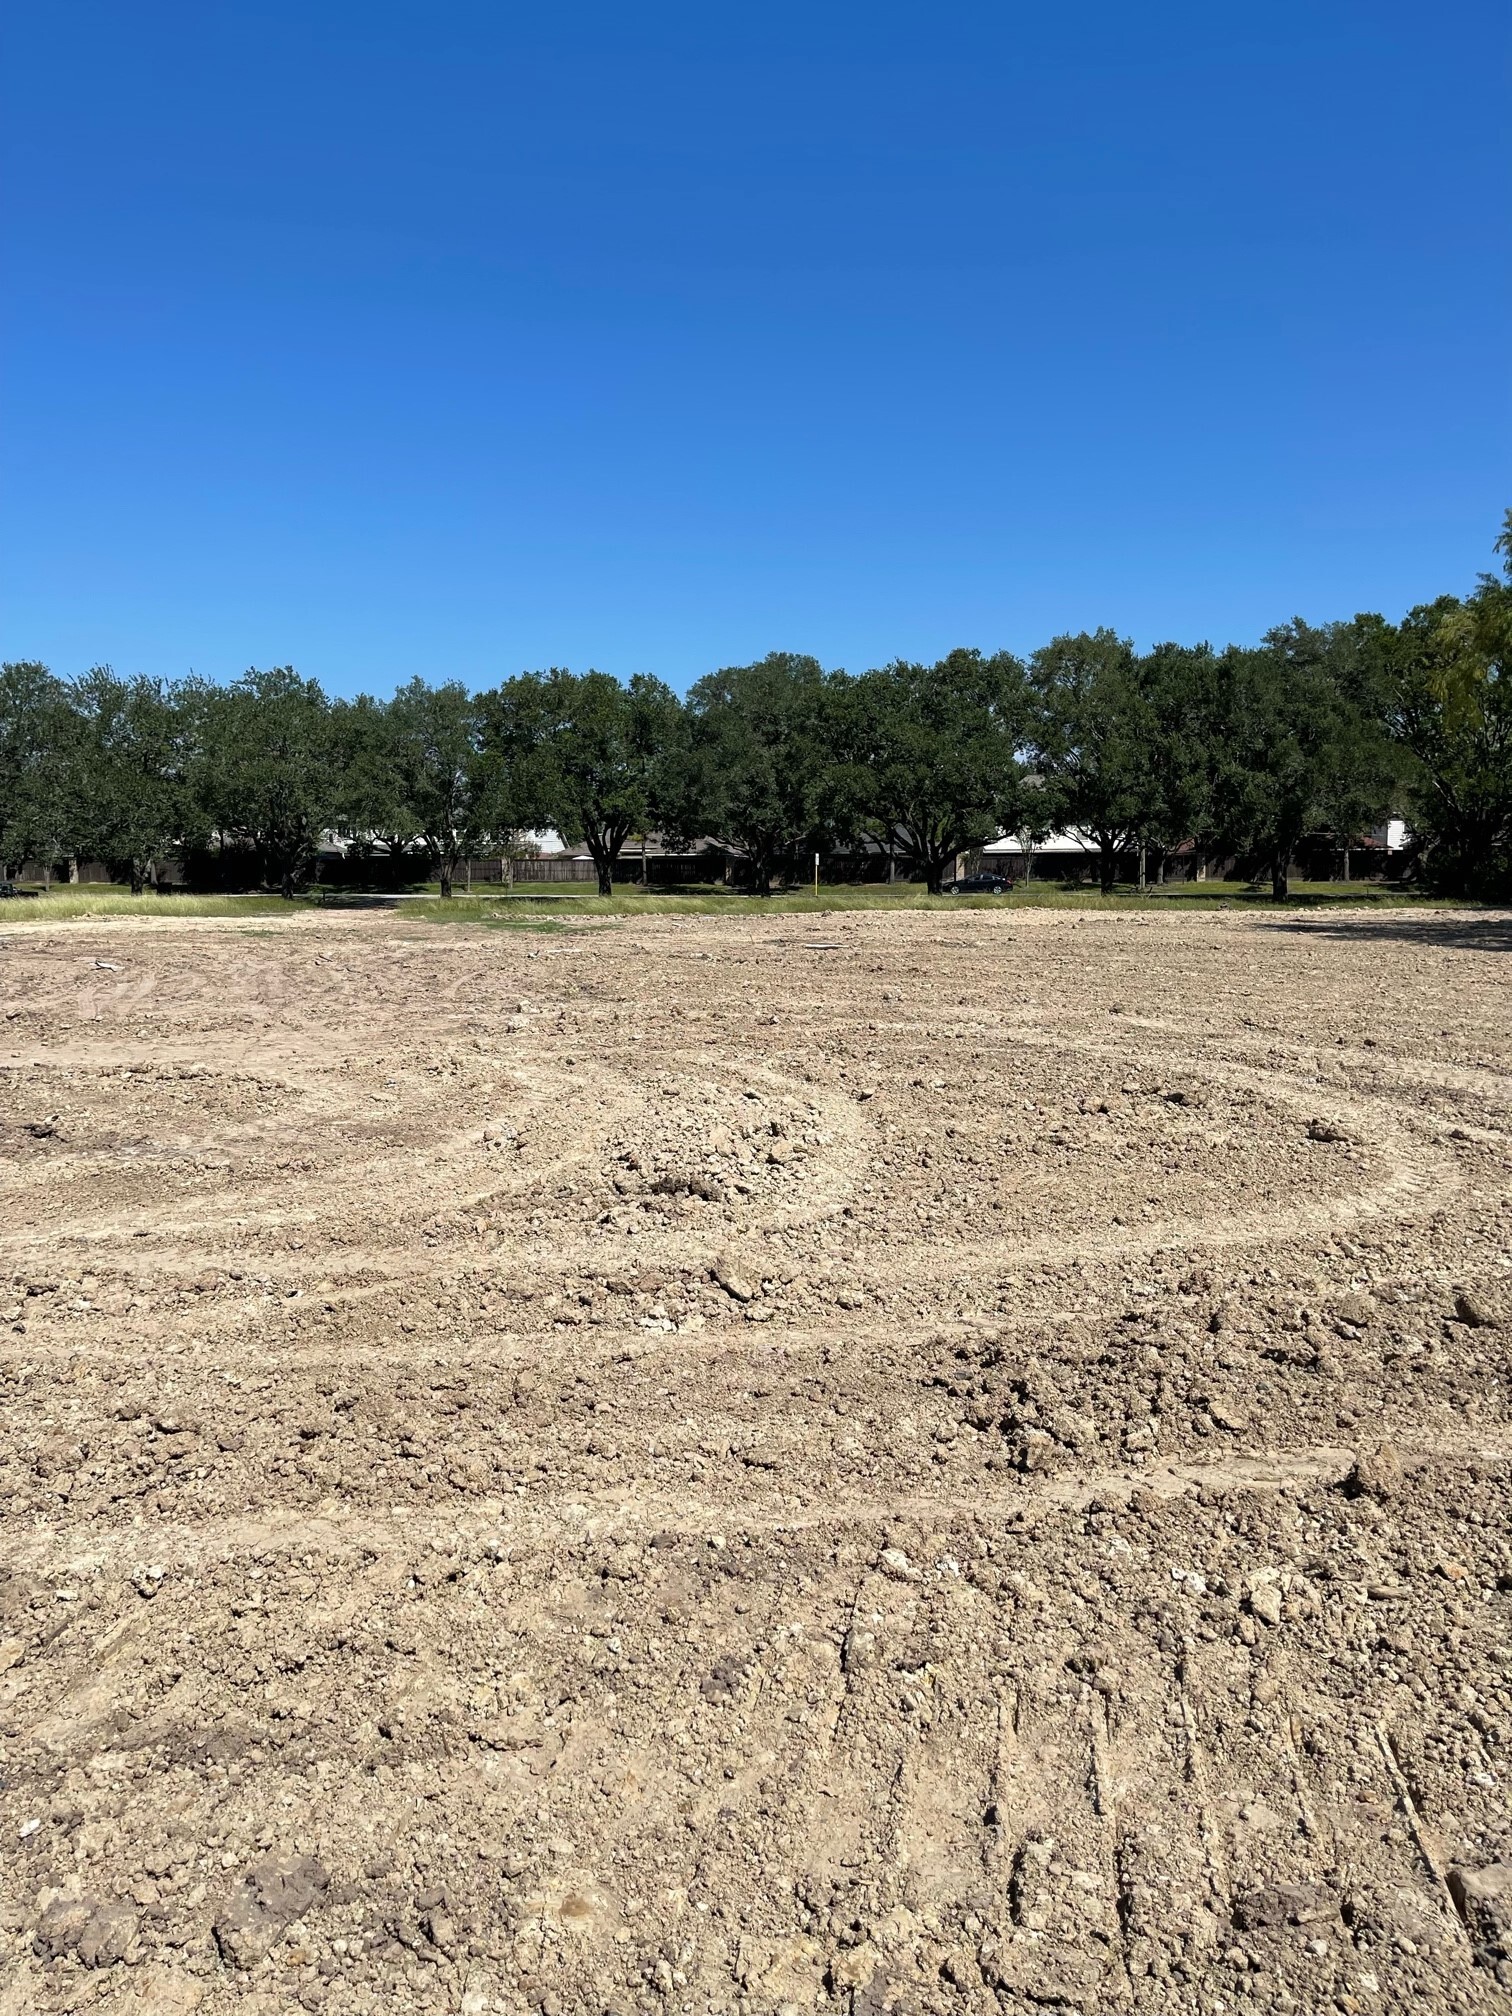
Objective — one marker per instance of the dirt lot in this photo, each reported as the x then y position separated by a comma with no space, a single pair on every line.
757,1465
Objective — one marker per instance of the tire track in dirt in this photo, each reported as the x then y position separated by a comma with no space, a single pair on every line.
639,1506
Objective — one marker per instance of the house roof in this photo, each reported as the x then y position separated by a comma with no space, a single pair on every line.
1072,841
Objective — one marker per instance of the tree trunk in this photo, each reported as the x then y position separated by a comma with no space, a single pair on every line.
286,885
445,878
1143,873
1278,879
1346,860
137,878
605,877
1107,865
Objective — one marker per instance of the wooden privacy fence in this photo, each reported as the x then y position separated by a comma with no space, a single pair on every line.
660,868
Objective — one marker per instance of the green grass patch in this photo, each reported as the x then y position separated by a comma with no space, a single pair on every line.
547,906
580,903
76,903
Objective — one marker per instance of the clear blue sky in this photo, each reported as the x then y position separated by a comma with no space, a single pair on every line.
458,337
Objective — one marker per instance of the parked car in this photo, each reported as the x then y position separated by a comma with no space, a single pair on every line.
980,885
9,889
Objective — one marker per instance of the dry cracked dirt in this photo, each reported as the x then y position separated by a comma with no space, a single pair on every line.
905,1462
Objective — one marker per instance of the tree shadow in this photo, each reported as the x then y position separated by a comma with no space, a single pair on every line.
1444,930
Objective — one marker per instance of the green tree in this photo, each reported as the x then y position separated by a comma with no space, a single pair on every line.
1449,672
370,810
1293,751
267,768
39,768
1177,684
1094,737
932,765
759,768
583,754
439,787
133,758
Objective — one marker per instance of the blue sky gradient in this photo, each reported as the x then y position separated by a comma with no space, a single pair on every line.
458,338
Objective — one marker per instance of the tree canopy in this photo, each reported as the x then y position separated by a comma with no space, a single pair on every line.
266,769
760,768
1251,752
39,733
588,755
930,756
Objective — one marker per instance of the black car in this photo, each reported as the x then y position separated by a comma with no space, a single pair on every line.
980,885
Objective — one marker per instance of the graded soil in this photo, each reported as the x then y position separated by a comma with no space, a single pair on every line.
896,1462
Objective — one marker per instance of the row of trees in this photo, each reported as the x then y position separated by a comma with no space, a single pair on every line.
1245,751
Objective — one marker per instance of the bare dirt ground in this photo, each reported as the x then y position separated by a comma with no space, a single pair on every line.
757,1466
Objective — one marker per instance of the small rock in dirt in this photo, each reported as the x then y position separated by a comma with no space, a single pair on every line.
441,1930
1355,1308
860,1650
1036,1450
1282,1904
273,1893
725,1681
733,1282
1475,1311
1483,1898
100,1933
1265,1603
62,1924
107,1938
1376,1475
1325,1130
1075,1431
